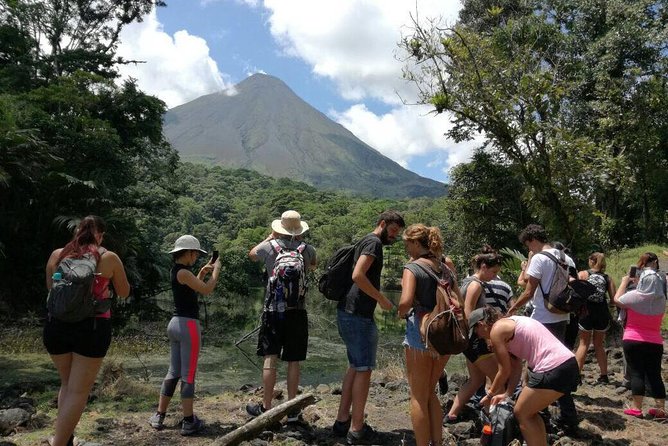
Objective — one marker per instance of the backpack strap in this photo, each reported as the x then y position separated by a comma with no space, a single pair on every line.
440,280
487,288
277,247
557,264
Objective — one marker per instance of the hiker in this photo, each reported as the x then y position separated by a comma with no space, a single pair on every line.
480,361
642,342
552,368
424,245
572,328
184,331
284,326
357,327
540,273
77,349
598,318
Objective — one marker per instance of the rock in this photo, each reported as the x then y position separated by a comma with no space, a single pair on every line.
621,390
323,389
11,418
461,430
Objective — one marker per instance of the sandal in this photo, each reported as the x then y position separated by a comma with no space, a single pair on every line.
658,414
637,413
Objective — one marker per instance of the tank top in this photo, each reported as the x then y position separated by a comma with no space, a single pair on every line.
185,298
534,343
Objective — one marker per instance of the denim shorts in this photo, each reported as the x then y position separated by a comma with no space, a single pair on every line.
361,338
413,338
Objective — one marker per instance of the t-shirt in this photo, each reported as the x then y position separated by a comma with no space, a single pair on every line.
425,286
357,301
543,268
534,343
495,293
268,254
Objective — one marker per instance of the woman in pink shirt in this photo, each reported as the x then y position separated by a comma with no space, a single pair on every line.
642,341
553,370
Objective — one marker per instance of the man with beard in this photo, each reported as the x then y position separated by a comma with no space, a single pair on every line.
358,328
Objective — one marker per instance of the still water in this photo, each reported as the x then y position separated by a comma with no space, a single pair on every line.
230,361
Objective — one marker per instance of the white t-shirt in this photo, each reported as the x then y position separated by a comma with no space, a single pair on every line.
543,269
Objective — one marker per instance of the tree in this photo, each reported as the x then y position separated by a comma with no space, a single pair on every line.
556,89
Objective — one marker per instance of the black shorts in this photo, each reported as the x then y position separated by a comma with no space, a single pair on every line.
284,334
90,337
477,348
598,317
563,378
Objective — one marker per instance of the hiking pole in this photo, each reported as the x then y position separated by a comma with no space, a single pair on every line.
243,352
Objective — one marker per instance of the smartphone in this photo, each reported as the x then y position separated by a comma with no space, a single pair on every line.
214,257
633,271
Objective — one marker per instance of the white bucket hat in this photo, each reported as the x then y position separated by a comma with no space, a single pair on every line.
187,242
290,224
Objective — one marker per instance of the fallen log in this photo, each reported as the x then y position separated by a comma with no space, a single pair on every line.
260,423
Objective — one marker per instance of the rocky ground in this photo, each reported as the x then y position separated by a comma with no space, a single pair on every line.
124,422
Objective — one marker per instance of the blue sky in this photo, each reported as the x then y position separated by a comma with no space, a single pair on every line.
339,56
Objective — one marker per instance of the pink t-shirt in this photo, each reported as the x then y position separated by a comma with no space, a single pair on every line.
101,291
534,343
643,327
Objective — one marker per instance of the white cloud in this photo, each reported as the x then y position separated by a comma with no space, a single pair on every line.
177,69
353,42
406,132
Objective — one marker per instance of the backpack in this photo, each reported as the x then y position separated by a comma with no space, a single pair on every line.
287,281
337,279
600,281
563,296
501,419
71,296
444,329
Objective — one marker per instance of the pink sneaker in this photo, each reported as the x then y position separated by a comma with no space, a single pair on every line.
633,412
658,414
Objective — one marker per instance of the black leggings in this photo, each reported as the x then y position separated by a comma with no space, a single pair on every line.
644,363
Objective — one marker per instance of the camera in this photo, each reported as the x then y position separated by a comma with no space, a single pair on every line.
214,257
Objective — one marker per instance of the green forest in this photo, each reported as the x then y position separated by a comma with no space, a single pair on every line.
570,96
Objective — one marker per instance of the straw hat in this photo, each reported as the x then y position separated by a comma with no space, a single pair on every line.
290,224
187,242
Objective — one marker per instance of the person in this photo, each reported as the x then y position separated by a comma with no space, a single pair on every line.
184,331
424,245
598,318
283,330
642,342
77,349
477,293
357,328
572,328
552,368
540,273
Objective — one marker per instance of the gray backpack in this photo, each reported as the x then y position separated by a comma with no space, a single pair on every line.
71,296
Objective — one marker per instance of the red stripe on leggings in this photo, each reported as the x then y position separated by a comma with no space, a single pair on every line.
194,350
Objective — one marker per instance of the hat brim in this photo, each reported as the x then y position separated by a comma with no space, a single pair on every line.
278,228
187,249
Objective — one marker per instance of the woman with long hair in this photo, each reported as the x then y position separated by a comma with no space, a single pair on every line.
184,331
552,368
477,293
77,349
424,245
642,342
598,317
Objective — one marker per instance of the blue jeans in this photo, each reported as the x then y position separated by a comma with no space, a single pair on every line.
361,338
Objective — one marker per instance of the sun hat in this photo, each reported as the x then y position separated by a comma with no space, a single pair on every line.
290,224
475,317
187,242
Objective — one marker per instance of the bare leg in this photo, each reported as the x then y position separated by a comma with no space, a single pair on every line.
163,403
346,395
293,378
268,380
476,379
187,406
529,403
72,400
581,352
359,396
599,348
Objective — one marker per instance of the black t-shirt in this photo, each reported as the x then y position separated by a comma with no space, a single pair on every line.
185,298
357,301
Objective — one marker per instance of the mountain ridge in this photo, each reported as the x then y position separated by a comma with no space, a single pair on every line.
264,126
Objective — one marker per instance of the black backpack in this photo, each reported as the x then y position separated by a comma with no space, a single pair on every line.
337,279
71,296
565,296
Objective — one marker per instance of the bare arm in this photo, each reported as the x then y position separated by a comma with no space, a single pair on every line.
186,277
620,291
583,275
51,266
407,293
500,334
526,295
473,293
118,276
362,281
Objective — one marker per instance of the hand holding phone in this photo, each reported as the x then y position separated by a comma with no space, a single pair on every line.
214,257
633,272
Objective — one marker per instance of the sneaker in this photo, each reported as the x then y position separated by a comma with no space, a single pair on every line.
443,383
255,410
364,436
341,428
633,412
658,414
296,418
157,421
603,379
189,428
